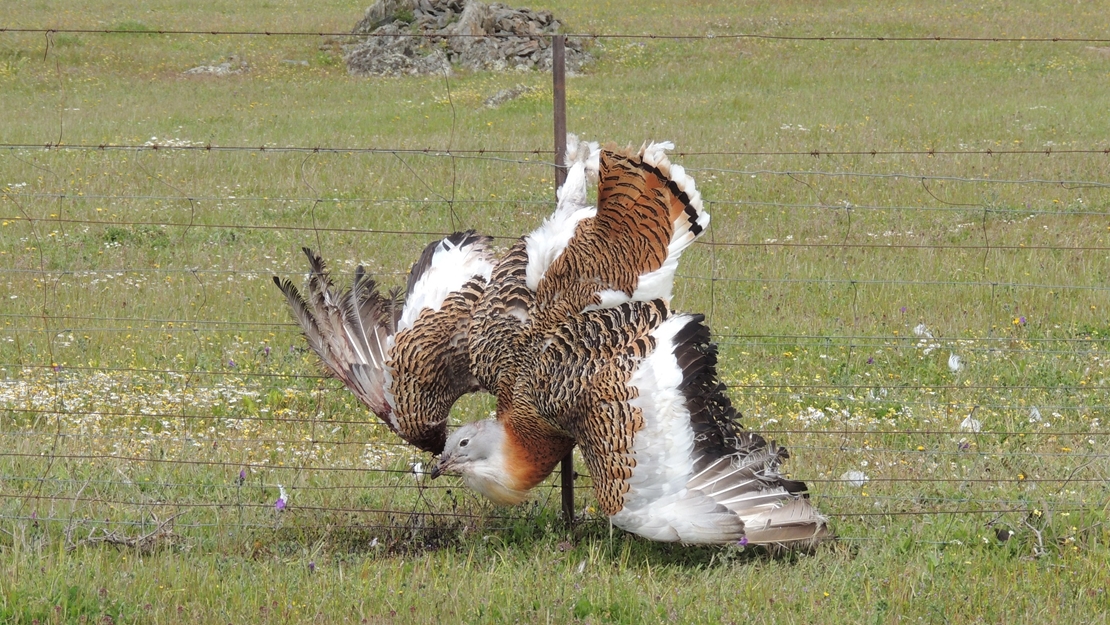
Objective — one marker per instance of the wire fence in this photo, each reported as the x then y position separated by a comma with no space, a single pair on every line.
637,36
923,340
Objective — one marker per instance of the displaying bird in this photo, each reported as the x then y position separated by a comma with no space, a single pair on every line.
572,331
403,355
582,257
575,337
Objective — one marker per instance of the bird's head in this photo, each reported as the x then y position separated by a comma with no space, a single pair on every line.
478,452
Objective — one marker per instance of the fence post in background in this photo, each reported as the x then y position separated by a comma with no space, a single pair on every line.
559,84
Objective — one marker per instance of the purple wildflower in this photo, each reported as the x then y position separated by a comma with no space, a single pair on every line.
311,567
231,363
743,541
870,360
903,310
283,499
1021,320
242,476
266,351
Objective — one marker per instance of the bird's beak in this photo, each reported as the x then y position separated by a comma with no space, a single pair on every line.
445,462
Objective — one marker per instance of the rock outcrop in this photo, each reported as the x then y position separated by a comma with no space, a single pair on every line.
432,36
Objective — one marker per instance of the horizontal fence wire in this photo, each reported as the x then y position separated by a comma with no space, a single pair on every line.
600,35
61,273
486,153
236,409
181,323
233,486
67,197
794,447
801,384
755,244
367,419
322,469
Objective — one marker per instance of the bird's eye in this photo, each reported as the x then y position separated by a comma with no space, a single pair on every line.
464,442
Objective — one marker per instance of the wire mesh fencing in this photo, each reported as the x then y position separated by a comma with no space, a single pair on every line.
924,330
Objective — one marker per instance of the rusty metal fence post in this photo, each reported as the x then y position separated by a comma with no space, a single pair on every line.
559,84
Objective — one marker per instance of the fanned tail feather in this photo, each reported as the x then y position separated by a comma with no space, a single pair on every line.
372,315
628,247
302,315
688,216
403,355
698,477
792,521
738,469
751,487
586,152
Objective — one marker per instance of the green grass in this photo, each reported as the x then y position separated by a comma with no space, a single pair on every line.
146,358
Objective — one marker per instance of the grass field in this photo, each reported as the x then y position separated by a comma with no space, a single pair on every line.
933,315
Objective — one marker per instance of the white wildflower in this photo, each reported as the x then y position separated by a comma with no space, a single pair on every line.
855,478
970,424
954,363
812,416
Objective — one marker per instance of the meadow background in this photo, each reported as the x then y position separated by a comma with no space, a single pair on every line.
907,272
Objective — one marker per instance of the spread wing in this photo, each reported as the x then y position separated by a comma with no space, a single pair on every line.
350,330
637,387
408,363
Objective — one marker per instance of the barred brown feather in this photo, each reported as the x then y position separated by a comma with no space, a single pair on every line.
410,377
644,219
501,324
581,383
430,367
725,486
640,209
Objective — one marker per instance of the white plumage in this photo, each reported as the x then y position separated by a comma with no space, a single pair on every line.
452,265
